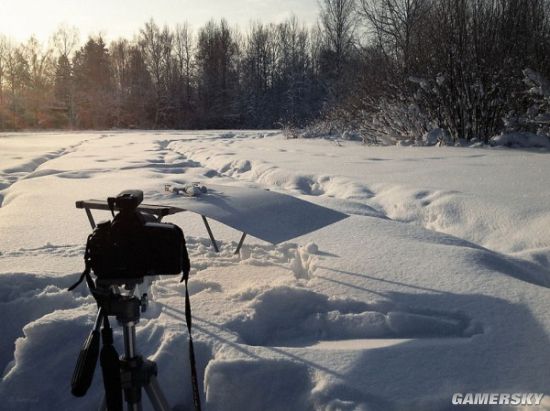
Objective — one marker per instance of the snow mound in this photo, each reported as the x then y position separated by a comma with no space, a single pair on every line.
270,385
44,359
27,297
436,136
521,139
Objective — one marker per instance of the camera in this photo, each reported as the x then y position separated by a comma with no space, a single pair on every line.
134,244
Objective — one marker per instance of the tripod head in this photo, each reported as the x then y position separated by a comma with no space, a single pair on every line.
125,307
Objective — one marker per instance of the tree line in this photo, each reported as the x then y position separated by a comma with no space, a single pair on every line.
376,69
164,78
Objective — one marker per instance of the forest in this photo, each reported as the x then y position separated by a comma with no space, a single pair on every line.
375,70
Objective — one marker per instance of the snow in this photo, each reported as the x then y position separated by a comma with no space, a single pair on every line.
521,139
253,211
435,284
436,136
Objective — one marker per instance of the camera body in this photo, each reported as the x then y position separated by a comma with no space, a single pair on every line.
135,244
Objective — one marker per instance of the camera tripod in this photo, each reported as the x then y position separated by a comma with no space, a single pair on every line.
121,253
129,374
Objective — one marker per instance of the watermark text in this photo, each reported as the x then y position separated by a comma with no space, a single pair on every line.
488,398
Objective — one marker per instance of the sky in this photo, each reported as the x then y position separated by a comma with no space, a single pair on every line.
19,19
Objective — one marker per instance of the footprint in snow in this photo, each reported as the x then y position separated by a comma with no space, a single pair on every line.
290,316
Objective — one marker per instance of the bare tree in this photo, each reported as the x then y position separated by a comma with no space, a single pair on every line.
40,68
3,52
120,61
397,27
65,40
156,46
294,70
184,49
3,56
338,24
258,67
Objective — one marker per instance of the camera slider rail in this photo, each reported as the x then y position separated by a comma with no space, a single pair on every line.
159,211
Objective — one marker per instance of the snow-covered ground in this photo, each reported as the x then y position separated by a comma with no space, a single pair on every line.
437,282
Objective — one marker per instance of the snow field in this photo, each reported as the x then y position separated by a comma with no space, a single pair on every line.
436,283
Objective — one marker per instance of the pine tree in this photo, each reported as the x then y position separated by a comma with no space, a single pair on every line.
94,85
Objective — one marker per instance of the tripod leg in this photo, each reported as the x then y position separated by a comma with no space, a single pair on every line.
134,406
132,393
155,395
129,332
103,404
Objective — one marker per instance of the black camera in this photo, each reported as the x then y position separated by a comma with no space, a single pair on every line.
135,244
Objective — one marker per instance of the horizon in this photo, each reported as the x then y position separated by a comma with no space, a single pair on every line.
123,18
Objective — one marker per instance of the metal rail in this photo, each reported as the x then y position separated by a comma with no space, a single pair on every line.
159,211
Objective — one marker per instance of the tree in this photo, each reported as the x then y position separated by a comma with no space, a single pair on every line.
17,80
294,79
156,47
3,54
398,28
40,68
134,95
258,76
139,105
64,88
217,76
94,85
338,25
65,40
185,66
